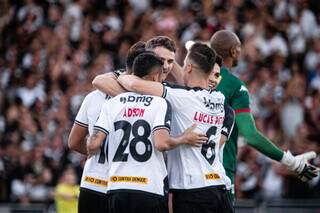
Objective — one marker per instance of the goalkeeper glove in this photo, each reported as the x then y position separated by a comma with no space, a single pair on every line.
299,165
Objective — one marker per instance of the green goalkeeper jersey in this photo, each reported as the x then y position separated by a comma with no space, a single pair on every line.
237,96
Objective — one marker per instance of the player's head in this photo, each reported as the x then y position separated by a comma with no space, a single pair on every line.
133,52
148,65
215,76
199,62
227,45
165,48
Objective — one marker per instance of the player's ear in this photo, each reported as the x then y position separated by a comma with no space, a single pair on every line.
189,68
156,77
233,51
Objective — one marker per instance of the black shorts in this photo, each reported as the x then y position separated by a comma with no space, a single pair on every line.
136,202
204,200
92,202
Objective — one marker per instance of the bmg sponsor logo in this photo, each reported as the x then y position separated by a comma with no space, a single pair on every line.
143,99
213,105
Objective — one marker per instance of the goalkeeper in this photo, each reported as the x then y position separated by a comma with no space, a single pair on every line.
228,46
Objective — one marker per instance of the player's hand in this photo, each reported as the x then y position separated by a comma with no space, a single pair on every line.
299,164
309,172
193,138
92,147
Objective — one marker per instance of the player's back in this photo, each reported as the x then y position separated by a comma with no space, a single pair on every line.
135,162
196,167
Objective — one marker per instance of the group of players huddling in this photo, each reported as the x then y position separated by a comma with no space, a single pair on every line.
157,129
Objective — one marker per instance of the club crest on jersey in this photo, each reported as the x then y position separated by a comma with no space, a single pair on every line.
143,99
212,105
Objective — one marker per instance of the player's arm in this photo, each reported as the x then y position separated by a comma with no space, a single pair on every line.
257,140
100,130
79,131
95,141
135,84
298,164
76,140
163,140
228,124
108,84
247,128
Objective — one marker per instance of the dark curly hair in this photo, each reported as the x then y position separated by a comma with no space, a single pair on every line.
219,60
161,41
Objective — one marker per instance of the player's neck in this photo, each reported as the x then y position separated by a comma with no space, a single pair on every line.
227,62
198,82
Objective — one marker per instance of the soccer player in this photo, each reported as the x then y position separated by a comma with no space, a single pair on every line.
165,48
94,178
93,185
137,127
228,46
197,178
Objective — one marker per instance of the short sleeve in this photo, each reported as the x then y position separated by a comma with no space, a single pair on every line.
103,123
175,94
82,117
163,116
228,122
240,100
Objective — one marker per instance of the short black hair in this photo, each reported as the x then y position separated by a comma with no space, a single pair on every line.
219,60
145,62
161,41
133,52
203,56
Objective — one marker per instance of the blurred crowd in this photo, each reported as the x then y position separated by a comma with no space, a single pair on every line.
50,51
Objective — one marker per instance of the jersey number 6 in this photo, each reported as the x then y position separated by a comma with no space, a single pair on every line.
208,149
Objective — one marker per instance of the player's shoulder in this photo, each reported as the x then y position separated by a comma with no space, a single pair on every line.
230,77
180,87
96,94
233,80
117,98
128,97
160,100
217,93
181,91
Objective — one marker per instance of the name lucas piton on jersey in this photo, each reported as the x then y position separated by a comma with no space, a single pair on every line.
144,99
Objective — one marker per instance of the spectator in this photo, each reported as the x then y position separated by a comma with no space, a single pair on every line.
51,50
66,193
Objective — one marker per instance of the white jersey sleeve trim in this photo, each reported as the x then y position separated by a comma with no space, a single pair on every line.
101,129
81,124
161,127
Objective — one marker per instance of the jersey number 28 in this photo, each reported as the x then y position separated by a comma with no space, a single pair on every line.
133,129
